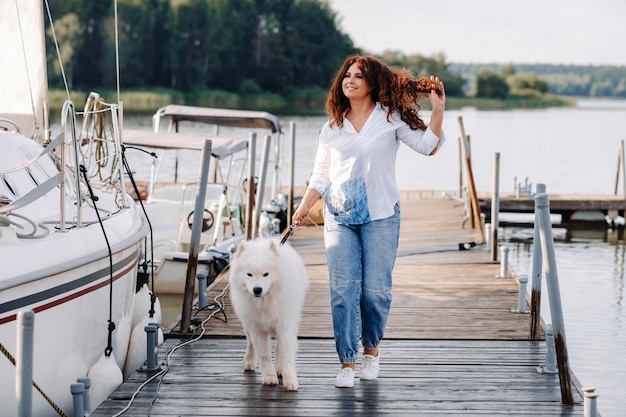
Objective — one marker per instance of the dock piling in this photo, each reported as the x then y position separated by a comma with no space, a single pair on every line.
78,391
202,283
196,232
537,268
550,363
495,209
86,399
152,348
554,296
521,297
590,407
504,262
24,362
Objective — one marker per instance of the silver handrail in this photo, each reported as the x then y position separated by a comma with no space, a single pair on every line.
69,112
542,208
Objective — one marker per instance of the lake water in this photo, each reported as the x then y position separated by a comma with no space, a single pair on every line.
571,150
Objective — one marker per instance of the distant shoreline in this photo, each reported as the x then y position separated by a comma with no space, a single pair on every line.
147,102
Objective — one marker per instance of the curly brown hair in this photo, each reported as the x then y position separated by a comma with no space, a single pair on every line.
395,88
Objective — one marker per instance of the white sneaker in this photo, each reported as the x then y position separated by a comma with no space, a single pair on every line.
345,379
370,366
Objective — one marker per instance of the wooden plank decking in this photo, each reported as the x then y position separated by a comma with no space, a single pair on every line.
452,345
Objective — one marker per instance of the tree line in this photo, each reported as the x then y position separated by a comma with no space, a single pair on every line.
244,46
251,48
562,80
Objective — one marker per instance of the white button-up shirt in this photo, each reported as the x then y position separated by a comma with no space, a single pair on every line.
356,171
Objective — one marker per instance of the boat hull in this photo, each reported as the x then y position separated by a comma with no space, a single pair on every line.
71,326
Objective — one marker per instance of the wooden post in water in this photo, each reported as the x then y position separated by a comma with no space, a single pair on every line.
535,295
620,164
261,186
292,168
554,296
495,208
196,231
250,184
460,167
475,207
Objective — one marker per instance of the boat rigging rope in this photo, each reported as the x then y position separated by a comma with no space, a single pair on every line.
37,387
32,99
56,45
117,54
111,326
97,114
136,189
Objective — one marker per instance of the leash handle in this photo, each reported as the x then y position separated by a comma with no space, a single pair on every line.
288,233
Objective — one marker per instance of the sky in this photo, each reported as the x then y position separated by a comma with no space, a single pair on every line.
578,32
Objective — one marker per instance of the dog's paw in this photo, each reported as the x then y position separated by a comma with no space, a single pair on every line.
270,379
290,384
249,362
249,365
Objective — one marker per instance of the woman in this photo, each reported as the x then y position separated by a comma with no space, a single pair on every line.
372,108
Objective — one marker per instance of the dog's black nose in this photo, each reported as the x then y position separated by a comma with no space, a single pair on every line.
257,291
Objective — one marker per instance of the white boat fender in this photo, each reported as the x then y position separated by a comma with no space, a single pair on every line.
142,306
105,377
121,338
137,347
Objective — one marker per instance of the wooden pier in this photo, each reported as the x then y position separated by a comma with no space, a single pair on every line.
452,346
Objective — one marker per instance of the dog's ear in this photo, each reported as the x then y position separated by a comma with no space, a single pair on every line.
273,247
241,247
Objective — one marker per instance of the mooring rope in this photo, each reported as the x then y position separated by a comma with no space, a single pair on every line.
111,327
221,307
37,387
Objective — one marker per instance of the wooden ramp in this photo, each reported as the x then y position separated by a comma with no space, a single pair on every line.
452,346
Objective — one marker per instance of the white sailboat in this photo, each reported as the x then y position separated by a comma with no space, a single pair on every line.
70,236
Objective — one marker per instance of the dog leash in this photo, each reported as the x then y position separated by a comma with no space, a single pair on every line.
288,233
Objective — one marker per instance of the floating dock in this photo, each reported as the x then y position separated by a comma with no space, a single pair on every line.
453,346
571,207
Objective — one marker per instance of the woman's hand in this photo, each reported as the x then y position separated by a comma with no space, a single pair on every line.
437,96
438,102
302,212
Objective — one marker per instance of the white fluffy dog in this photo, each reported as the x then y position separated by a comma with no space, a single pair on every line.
268,284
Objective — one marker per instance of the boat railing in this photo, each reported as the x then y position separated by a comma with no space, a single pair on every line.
68,114
94,154
100,145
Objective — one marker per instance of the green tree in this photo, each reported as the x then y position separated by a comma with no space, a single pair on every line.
93,65
602,89
67,30
507,70
236,26
491,85
527,81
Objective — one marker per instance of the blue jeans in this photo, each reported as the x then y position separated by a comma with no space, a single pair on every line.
360,263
